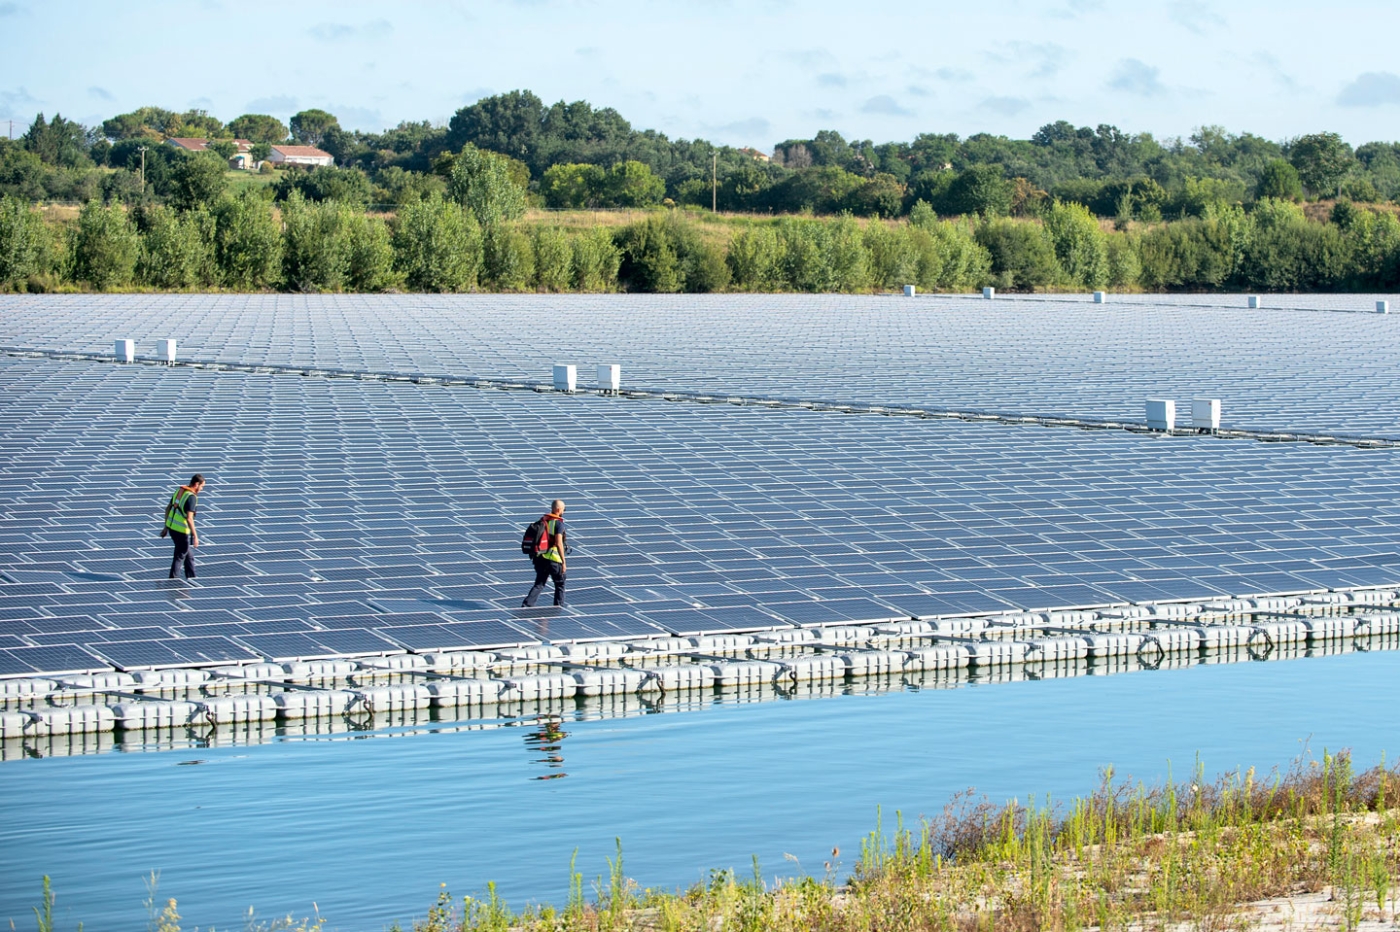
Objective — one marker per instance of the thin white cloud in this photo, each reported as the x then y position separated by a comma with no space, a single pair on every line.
1195,16
100,93
1133,76
1372,89
832,79
884,105
1005,106
18,103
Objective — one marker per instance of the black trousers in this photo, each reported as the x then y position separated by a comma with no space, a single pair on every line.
545,570
183,552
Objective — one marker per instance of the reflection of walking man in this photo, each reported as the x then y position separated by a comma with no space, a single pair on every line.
550,563
179,521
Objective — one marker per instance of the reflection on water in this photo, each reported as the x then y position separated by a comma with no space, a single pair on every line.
548,739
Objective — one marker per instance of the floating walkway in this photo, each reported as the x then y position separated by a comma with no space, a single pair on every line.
51,715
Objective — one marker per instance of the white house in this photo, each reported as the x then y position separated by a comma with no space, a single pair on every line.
300,155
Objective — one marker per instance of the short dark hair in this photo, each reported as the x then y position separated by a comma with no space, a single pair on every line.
197,479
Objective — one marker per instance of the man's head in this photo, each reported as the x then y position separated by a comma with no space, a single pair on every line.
197,482
557,506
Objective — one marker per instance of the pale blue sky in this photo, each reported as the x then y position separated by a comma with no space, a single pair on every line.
743,73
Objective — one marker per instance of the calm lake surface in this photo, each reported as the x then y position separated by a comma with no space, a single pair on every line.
367,827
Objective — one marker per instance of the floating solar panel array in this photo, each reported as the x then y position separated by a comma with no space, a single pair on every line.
355,518
1295,365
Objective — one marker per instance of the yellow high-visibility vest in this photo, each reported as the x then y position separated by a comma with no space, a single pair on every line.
175,517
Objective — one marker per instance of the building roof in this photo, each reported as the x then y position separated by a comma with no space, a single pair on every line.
304,152
202,145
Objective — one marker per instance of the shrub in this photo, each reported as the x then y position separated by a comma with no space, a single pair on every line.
315,245
24,242
949,256
1123,265
800,254
1023,257
371,255
649,260
103,247
753,259
247,242
702,266
553,259
844,255
481,182
1078,243
1191,254
437,246
893,259
596,260
508,258
177,249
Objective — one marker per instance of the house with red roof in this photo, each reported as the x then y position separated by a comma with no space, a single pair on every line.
307,156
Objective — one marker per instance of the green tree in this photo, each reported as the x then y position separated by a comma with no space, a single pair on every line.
981,189
315,244
102,247
1079,244
1123,264
258,127
481,182
198,180
596,260
224,149
24,242
1322,160
437,246
177,248
144,123
309,127
247,242
649,261
880,196
261,151
949,256
753,259
61,143
571,186
326,183
893,257
553,259
508,258
371,255
631,184
1023,257
1279,179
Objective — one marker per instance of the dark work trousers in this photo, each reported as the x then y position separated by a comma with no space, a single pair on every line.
545,570
183,551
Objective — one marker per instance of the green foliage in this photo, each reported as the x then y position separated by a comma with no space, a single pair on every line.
61,143
177,248
823,189
1279,180
981,189
325,183
508,258
1079,245
1022,254
754,259
649,261
949,256
1123,265
437,246
596,261
310,127
823,256
553,259
24,242
631,184
481,182
880,196
197,180
247,242
261,151
1192,255
702,265
1205,197
571,186
371,254
1322,159
258,127
102,247
315,244
893,259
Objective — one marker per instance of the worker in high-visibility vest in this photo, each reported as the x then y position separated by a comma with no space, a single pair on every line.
179,524
549,557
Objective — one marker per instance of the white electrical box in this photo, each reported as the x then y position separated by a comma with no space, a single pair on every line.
167,351
1205,413
609,377
1161,414
124,350
565,378
989,292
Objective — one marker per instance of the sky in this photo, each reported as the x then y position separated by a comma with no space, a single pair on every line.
737,72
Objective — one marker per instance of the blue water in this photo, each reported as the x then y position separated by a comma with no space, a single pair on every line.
367,828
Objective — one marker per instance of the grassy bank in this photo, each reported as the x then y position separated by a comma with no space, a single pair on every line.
1181,855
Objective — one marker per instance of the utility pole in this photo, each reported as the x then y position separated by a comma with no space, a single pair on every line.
142,150
714,182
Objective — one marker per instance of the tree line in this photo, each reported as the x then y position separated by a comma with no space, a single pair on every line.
572,155
475,236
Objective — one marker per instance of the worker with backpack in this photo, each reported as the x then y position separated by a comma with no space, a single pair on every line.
544,544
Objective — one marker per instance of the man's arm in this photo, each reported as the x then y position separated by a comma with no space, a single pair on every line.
194,535
559,547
